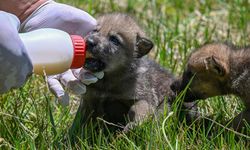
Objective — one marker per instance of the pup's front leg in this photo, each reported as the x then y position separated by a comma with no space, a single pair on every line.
138,113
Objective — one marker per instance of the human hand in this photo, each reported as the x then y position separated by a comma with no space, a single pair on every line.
15,64
73,21
73,80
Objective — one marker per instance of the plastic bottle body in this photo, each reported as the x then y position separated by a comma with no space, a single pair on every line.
50,50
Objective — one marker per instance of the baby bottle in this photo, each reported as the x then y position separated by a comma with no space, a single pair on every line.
54,51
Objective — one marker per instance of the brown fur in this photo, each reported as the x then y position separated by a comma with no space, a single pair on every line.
219,69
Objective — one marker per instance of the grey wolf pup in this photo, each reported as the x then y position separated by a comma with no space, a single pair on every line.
133,86
219,69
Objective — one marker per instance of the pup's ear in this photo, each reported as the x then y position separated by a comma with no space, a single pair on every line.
215,65
143,46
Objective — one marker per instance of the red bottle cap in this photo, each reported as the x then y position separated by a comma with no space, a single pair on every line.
79,51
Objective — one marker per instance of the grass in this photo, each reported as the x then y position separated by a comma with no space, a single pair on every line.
30,119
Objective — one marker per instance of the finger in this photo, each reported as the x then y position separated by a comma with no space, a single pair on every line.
76,73
72,83
99,75
16,66
57,89
85,76
65,18
63,100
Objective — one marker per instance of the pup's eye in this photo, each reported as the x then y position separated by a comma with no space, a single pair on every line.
114,40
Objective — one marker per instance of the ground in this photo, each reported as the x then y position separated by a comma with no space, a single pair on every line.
30,119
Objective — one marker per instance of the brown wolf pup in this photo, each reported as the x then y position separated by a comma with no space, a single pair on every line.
133,86
219,69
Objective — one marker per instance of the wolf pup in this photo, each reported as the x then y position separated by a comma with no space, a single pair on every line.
133,86
219,69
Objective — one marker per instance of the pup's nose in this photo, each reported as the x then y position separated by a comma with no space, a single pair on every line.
90,42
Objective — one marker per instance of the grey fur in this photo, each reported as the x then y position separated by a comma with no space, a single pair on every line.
133,86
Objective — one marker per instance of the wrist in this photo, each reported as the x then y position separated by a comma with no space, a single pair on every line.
30,8
22,9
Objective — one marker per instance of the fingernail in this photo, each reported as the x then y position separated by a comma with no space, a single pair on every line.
88,78
89,81
99,75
